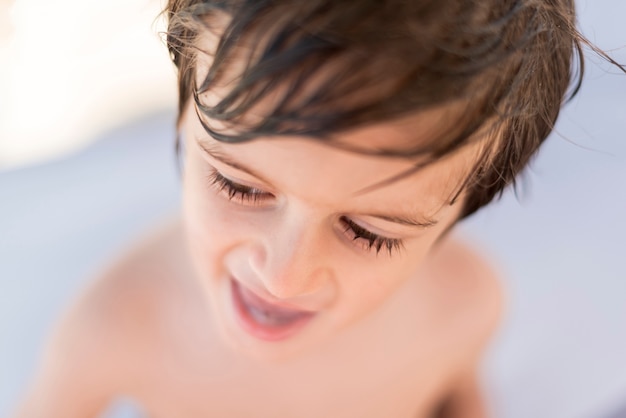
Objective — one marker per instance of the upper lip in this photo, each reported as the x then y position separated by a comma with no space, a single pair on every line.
270,300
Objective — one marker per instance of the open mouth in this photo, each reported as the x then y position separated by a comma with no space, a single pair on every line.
265,320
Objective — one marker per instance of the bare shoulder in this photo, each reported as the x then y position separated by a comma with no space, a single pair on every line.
470,292
145,279
94,349
141,298
467,300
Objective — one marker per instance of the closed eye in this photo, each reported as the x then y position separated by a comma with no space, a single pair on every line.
360,236
369,240
237,192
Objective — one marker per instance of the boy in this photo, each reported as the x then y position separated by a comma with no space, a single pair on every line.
328,149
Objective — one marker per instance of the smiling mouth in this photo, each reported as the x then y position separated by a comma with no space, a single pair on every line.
263,319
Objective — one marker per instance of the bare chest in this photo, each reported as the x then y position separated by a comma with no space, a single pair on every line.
344,387
387,376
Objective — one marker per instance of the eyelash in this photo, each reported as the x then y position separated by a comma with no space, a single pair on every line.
244,194
235,191
371,241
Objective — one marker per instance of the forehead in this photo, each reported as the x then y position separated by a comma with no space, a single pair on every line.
347,171
329,175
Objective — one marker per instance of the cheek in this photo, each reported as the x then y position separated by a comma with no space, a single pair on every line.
369,285
209,229
365,286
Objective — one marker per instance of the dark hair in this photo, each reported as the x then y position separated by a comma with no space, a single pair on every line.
506,64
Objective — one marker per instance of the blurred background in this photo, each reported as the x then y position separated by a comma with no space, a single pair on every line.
87,102
73,69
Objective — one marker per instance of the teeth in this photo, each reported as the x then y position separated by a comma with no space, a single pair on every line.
270,318
264,313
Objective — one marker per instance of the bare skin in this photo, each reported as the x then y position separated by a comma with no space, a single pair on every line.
397,327
144,330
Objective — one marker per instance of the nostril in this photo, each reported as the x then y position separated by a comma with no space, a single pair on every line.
282,290
312,286
287,264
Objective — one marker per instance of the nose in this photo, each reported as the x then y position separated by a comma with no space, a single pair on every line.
291,261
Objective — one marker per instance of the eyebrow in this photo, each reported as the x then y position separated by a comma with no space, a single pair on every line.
214,150
406,220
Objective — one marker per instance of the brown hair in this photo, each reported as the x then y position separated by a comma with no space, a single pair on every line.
508,62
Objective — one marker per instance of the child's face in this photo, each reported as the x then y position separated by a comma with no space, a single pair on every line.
291,243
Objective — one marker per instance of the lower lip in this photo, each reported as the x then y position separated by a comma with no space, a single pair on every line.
263,331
